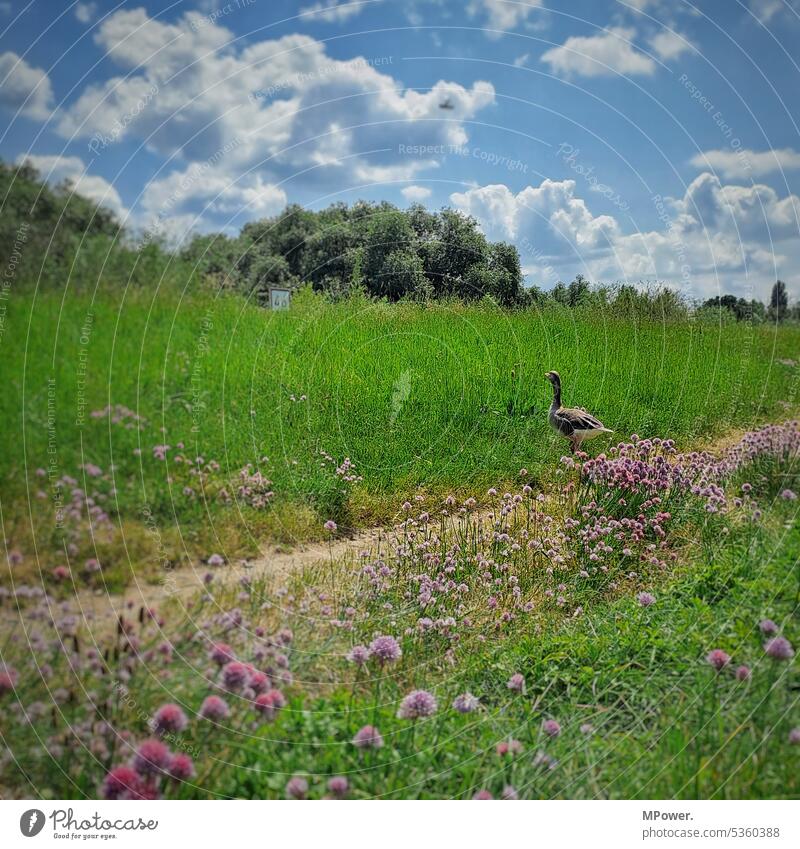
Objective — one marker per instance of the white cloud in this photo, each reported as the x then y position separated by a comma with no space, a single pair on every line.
56,169
712,230
24,88
273,110
766,10
203,185
85,12
415,194
745,163
333,11
669,44
522,60
501,14
605,54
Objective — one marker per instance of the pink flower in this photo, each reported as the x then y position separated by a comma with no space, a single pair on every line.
215,709
466,703
509,793
297,788
8,679
259,681
779,648
338,786
358,655
268,704
768,627
151,758
718,658
61,573
508,747
551,728
743,673
182,767
483,795
216,560
221,653
368,737
789,495
168,719
416,704
516,683
122,782
330,525
794,736
235,675
385,649
646,599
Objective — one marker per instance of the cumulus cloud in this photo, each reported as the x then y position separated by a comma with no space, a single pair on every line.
610,52
549,215
502,15
24,88
668,44
745,163
713,229
85,12
274,109
415,194
57,169
766,10
333,11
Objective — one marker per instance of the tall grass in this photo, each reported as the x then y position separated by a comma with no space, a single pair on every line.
444,396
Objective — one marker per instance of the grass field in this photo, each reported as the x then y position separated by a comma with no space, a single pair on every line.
429,399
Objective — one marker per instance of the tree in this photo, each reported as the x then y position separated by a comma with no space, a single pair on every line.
778,301
401,276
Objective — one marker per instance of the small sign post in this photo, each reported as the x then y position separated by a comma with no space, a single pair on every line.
279,298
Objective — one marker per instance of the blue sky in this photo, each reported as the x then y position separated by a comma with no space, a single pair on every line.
647,140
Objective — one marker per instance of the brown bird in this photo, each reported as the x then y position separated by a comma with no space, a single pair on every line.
576,425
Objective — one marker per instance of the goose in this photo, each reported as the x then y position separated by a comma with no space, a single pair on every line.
576,425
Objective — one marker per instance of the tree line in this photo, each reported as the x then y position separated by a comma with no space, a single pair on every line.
52,235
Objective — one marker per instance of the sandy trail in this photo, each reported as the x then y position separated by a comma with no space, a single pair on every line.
100,610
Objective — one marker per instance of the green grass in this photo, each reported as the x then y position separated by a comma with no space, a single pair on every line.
440,397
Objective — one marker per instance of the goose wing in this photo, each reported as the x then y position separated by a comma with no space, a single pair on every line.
569,420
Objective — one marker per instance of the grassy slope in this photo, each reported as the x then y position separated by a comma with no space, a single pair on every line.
444,397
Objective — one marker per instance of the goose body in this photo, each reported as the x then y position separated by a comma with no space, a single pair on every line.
574,424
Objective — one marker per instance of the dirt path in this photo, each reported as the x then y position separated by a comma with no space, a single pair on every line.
99,609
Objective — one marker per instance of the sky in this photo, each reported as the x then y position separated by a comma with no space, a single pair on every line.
644,142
